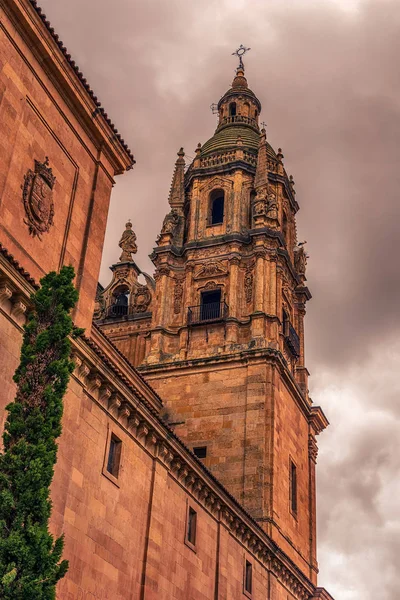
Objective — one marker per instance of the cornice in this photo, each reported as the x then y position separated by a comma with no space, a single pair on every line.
318,419
33,26
230,360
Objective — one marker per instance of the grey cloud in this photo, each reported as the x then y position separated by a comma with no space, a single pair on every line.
329,83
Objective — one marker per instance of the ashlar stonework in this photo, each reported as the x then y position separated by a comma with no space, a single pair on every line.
203,359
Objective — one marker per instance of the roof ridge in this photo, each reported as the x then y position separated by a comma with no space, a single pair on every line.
80,76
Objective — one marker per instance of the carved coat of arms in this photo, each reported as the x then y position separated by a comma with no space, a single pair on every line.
37,195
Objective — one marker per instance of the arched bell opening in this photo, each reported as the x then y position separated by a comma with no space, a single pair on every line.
120,302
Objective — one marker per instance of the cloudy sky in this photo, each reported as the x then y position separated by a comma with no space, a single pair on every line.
327,75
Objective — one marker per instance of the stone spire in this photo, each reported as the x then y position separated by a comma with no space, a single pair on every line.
177,191
261,177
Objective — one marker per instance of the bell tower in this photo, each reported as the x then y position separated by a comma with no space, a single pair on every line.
225,347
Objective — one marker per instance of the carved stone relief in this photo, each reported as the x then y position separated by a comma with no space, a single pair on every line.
141,300
211,269
171,222
248,283
37,196
178,295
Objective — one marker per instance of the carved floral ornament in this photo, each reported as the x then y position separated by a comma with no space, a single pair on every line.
37,196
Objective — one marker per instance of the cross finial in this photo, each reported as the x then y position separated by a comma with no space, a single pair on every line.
263,125
240,52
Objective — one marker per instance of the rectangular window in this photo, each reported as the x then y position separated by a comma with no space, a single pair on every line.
248,578
114,455
210,305
293,487
191,527
200,452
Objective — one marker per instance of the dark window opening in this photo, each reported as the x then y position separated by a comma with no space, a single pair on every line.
217,202
200,452
248,577
114,456
120,305
232,109
293,487
191,526
285,322
256,114
210,305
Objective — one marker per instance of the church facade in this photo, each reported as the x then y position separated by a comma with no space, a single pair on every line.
186,466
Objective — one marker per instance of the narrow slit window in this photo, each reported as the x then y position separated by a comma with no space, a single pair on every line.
191,526
248,577
293,487
114,456
200,451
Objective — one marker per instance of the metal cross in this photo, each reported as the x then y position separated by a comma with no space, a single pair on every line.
263,125
240,52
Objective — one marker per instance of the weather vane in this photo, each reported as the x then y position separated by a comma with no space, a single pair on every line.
240,52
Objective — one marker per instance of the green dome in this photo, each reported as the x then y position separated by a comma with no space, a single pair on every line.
226,139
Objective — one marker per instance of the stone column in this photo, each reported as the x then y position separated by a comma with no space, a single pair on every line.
162,285
272,304
237,196
234,291
234,298
259,282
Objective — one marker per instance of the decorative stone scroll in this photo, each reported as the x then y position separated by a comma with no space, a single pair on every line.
142,299
37,196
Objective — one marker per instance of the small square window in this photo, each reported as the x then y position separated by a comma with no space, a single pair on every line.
191,528
200,451
248,578
114,455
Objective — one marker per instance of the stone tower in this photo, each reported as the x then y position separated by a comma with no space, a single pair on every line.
225,342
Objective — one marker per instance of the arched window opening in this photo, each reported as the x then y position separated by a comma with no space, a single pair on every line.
255,113
217,202
120,306
232,109
246,109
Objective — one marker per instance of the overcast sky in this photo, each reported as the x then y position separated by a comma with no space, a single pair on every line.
327,75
